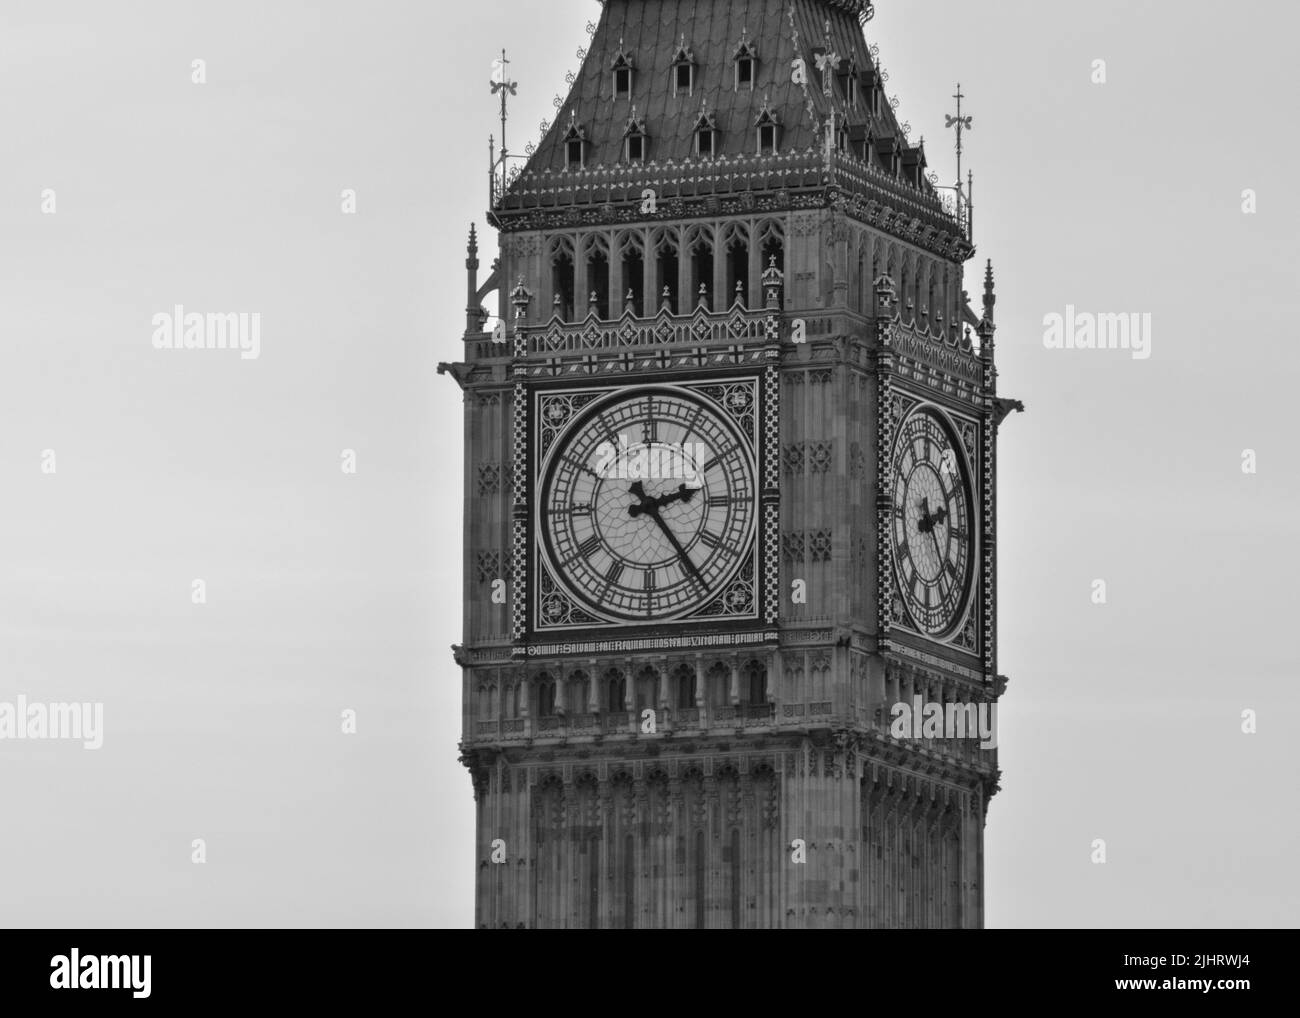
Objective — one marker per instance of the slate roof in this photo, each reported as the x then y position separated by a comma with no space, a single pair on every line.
652,32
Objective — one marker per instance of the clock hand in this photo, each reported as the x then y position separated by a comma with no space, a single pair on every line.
645,504
677,547
925,524
937,552
682,494
649,505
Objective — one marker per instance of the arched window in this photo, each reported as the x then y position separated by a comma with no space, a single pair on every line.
683,70
706,135
768,127
647,688
666,270
545,696
736,246
754,683
621,67
634,139
597,254
575,145
719,685
699,243
746,61
562,278
632,249
685,676
615,692
578,691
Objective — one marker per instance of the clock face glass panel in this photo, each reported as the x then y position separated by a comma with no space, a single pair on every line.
932,523
648,505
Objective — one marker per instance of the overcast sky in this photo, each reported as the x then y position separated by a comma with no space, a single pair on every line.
328,591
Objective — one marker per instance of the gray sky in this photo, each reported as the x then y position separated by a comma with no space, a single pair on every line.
328,591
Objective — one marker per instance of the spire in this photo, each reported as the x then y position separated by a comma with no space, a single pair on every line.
473,311
990,298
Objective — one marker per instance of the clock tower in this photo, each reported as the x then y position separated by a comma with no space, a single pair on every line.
729,654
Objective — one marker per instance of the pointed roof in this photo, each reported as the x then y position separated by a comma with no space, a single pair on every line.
653,34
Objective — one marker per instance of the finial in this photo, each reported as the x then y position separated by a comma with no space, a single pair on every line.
990,298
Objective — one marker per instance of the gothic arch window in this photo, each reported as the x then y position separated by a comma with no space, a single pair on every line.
745,58
666,254
706,135
545,695
634,139
753,683
483,702
596,252
615,692
718,684
575,145
621,73
699,246
630,246
771,239
685,686
577,690
850,84
647,688
562,277
735,245
768,130
683,70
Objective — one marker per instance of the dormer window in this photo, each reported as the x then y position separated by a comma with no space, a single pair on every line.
683,70
575,146
622,74
746,61
706,136
851,86
634,139
769,130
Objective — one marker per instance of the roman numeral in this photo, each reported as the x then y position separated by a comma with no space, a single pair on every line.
590,546
579,465
614,572
710,538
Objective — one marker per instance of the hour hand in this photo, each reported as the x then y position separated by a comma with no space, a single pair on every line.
644,504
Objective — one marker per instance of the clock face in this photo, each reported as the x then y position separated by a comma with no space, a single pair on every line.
932,523
647,506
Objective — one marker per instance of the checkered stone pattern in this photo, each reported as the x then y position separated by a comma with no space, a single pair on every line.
771,426
771,563
772,505
884,461
987,551
519,524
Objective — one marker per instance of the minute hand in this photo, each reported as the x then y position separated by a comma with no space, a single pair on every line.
677,546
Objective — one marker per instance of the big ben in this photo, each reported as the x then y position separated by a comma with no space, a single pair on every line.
730,494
